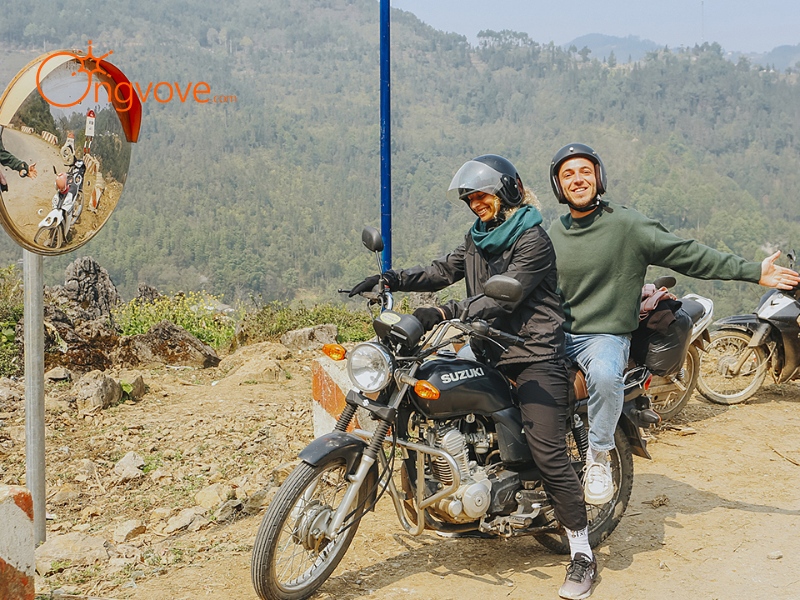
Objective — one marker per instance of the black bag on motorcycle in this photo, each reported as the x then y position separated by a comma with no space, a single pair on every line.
662,339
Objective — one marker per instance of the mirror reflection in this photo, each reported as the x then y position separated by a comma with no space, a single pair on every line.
64,156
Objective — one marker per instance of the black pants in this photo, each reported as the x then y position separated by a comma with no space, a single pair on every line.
543,390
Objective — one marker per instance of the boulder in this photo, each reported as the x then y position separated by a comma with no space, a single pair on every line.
95,391
73,549
168,344
58,374
127,530
310,338
89,286
213,495
181,521
128,467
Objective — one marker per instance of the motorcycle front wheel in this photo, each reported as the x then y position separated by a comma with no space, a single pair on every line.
670,394
602,519
719,379
291,558
49,237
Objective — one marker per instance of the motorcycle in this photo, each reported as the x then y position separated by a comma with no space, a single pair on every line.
55,228
455,427
744,348
670,393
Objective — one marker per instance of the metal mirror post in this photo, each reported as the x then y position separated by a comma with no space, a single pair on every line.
67,122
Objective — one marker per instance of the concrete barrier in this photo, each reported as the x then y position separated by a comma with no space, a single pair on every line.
50,138
16,543
26,129
329,386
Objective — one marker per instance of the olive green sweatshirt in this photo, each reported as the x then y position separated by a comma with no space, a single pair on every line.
602,261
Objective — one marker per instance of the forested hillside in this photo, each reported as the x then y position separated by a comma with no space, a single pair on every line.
267,195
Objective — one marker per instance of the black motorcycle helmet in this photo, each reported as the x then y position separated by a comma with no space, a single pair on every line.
491,174
577,151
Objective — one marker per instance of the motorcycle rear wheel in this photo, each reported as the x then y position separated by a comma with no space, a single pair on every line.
290,561
602,519
727,348
671,401
49,237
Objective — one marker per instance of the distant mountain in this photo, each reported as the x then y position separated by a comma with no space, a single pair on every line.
625,49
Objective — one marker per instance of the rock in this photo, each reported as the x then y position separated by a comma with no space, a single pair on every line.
96,391
198,523
180,521
161,475
138,388
11,392
71,548
261,350
147,294
776,555
310,338
228,509
128,467
128,530
90,511
168,344
66,493
213,495
160,514
259,500
89,286
86,470
58,374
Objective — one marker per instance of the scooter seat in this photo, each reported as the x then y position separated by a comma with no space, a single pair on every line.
693,308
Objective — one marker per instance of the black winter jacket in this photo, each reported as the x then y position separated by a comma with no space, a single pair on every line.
532,261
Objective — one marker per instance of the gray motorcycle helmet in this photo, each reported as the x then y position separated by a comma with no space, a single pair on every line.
491,174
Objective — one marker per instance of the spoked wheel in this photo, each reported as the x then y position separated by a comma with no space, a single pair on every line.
602,519
292,558
670,394
730,370
49,237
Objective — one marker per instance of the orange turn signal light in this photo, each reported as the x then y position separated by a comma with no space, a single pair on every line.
334,351
426,390
647,383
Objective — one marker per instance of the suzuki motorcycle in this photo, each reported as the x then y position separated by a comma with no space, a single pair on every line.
454,426
670,393
744,348
54,229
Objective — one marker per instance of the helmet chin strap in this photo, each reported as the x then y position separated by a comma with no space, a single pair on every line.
584,209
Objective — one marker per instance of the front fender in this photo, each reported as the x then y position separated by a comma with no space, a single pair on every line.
335,444
758,329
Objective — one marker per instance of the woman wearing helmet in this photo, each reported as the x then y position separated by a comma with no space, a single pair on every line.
603,251
507,238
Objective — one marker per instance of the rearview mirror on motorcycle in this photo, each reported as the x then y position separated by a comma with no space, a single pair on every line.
503,287
372,240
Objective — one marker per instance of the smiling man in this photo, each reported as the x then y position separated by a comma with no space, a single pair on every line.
603,250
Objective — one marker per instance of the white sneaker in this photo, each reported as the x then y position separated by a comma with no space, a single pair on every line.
598,486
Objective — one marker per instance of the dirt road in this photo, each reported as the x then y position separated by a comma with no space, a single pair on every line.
714,515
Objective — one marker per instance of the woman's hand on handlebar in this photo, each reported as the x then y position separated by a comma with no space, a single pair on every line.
390,282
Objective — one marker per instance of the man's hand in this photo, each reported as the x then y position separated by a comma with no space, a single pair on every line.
32,173
777,277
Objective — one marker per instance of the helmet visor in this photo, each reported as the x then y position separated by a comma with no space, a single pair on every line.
474,176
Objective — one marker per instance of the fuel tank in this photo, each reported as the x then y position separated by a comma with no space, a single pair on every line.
466,386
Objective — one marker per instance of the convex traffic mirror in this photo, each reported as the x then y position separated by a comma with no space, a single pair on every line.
66,128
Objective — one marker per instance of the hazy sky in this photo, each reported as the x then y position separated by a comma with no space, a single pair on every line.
738,25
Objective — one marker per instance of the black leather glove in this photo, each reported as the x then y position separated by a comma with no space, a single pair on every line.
364,286
390,280
430,316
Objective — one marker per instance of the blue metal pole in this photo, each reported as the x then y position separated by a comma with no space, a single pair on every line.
386,140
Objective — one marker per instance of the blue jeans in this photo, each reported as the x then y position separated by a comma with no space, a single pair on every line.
603,358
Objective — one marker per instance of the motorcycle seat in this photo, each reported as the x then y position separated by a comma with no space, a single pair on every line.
693,308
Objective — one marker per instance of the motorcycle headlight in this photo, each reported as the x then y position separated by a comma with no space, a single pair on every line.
370,367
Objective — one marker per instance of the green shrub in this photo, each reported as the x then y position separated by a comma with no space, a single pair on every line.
273,320
11,310
193,311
